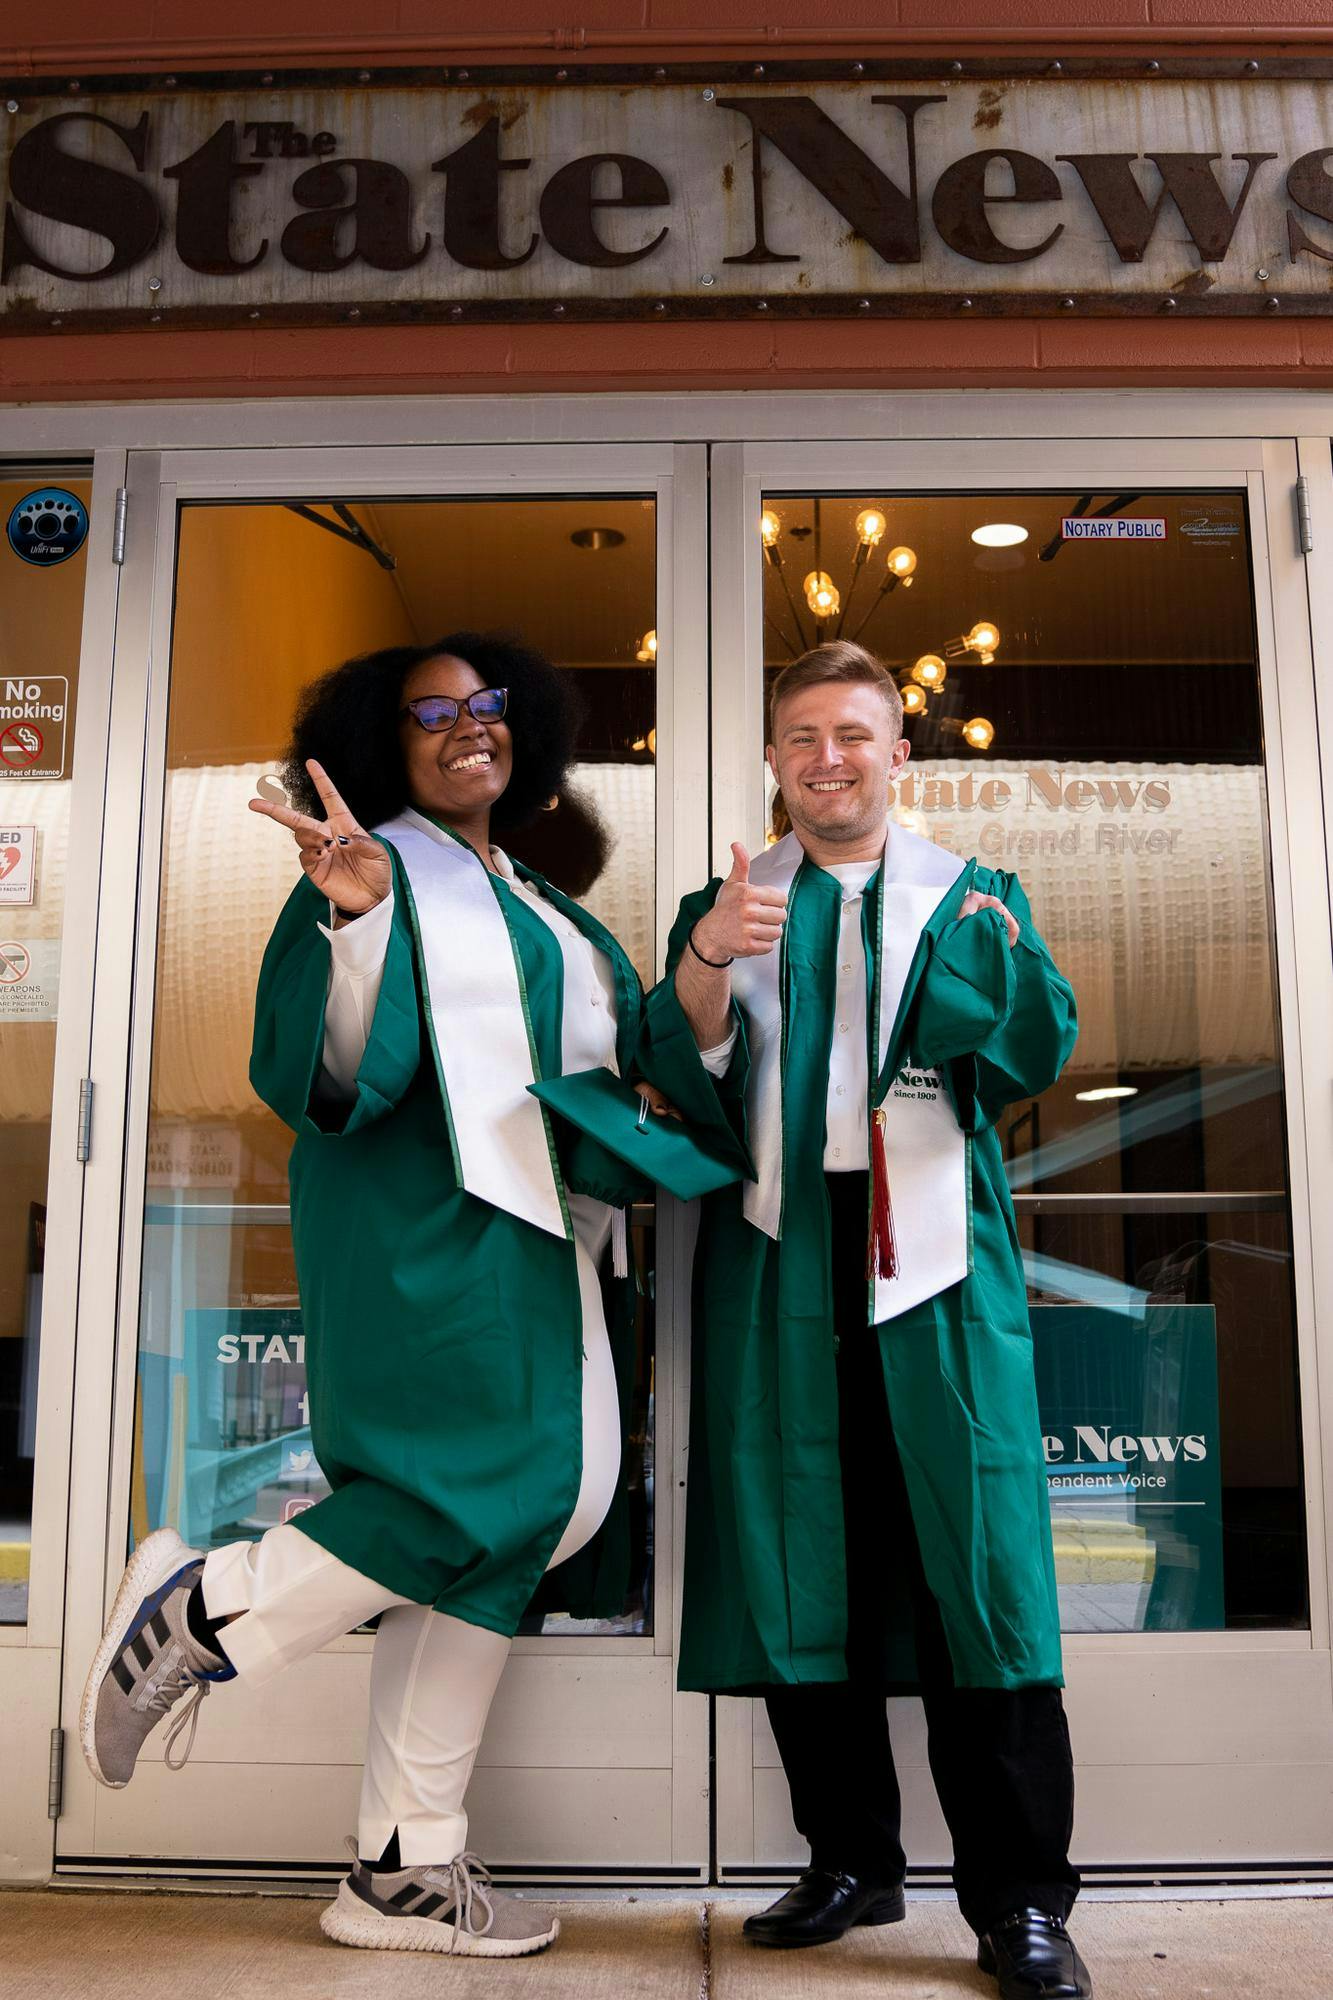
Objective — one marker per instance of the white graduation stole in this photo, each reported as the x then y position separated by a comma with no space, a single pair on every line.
477,1016
925,1149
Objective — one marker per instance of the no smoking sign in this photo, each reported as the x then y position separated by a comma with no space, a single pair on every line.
33,714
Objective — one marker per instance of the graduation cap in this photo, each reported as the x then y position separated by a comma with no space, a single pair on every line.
661,1148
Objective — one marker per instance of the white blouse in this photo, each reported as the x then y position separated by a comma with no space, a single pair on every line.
356,970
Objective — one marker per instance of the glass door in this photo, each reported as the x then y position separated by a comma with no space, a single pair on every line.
262,573
1105,667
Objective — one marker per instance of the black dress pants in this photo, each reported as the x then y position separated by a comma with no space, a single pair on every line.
1000,1757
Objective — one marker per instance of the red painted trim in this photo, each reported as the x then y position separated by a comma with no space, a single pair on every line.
723,41
639,359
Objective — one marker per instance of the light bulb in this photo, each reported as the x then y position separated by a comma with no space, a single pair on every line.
902,561
914,699
870,526
821,594
652,742
650,644
930,671
979,733
984,637
999,535
770,527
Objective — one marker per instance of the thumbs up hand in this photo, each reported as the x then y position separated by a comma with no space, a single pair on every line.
747,918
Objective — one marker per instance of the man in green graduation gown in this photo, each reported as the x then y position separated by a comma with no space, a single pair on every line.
867,1506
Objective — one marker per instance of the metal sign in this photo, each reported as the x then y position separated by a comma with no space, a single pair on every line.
660,197
33,713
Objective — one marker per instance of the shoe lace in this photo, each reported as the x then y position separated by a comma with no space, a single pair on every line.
174,1683
467,1882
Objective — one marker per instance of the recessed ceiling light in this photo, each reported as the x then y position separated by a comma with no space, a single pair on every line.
1107,1090
597,538
999,535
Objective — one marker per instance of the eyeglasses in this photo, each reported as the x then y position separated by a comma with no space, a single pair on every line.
438,712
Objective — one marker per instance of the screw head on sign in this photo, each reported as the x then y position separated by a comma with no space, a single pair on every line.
709,96
154,284
12,106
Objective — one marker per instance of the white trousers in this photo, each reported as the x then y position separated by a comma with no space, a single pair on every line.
432,1677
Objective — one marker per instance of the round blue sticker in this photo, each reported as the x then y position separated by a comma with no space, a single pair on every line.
48,526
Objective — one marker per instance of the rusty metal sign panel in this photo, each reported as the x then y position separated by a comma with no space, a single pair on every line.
398,202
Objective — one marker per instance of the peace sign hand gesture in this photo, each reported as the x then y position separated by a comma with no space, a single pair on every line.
342,860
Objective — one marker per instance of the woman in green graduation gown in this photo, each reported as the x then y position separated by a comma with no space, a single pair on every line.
457,1260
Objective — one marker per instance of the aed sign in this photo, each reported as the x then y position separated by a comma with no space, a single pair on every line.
33,711
18,857
491,196
1081,528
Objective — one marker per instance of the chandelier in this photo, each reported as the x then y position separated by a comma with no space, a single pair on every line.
829,608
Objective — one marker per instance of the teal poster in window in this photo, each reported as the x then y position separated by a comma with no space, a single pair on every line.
1128,1400
227,1450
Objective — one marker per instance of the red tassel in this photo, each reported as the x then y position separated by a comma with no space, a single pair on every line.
882,1251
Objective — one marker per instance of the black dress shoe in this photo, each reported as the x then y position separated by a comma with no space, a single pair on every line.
1034,1958
825,1903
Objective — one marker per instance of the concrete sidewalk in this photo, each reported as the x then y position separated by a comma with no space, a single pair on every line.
93,1945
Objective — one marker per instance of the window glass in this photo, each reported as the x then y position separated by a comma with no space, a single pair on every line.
268,597
1081,678
43,564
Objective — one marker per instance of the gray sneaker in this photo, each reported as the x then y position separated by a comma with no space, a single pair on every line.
452,1907
147,1660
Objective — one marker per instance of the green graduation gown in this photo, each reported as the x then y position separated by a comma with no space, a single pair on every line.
443,1335
765,1597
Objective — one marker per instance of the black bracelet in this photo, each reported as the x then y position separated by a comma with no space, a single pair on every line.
718,964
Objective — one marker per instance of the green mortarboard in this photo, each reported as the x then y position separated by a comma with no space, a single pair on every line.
661,1148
